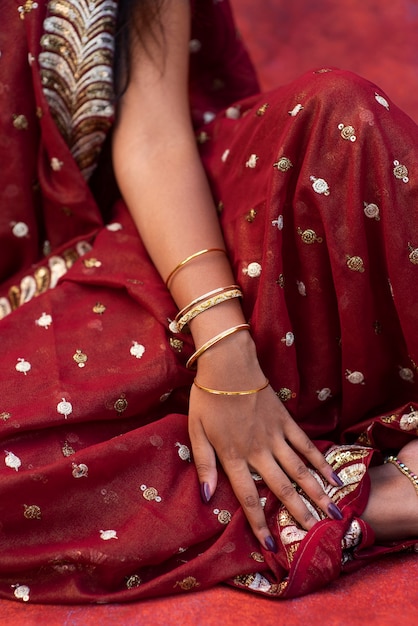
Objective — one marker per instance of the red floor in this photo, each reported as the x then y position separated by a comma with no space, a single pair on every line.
377,39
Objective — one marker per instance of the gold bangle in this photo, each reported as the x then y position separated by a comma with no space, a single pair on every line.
190,258
214,292
201,307
213,341
218,392
404,469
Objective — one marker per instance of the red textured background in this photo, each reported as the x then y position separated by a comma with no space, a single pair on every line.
377,39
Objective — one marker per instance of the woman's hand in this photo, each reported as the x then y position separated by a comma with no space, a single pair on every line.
252,433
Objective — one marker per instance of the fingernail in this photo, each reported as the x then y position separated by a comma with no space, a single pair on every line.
205,492
334,511
270,544
337,479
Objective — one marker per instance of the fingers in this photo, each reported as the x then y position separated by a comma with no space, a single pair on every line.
204,460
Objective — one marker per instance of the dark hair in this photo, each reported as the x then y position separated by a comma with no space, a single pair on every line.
139,18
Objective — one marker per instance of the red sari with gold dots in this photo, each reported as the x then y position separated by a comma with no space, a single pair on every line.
317,189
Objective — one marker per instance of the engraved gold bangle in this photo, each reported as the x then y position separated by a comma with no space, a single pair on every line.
205,296
213,341
404,469
218,392
190,258
204,305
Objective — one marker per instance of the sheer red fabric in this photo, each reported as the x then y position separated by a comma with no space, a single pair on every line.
316,184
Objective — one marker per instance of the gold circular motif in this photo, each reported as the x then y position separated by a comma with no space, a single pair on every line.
150,493
309,236
224,516
80,358
413,257
20,122
32,512
5,416
283,164
284,394
400,171
133,581
120,405
348,132
256,556
355,263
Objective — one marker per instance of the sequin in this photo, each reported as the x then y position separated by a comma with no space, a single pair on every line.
137,350
319,185
20,229
283,164
32,511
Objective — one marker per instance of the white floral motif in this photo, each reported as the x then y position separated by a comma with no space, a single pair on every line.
409,421
56,164
65,408
278,222
288,339
80,470
114,227
225,155
301,287
21,592
12,460
356,378
290,534
208,116
137,350
324,394
371,210
183,451
23,366
44,321
253,270
382,101
296,109
108,534
252,161
260,583
233,113
319,185
194,46
406,374
20,229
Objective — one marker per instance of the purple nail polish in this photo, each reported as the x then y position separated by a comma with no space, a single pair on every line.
337,479
334,511
205,492
270,544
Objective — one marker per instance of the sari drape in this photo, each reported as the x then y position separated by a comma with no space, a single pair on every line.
316,186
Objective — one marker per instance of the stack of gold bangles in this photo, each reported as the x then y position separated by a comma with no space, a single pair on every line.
200,305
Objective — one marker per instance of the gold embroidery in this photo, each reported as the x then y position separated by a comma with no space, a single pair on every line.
224,516
121,404
262,110
5,415
133,581
20,122
309,236
256,556
347,132
400,171
187,583
150,493
76,73
99,308
80,358
337,457
32,512
27,7
355,263
283,164
413,256
67,450
285,394
251,215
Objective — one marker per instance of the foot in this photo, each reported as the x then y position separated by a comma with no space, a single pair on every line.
392,509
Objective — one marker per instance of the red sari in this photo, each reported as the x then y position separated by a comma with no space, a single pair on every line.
316,184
